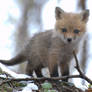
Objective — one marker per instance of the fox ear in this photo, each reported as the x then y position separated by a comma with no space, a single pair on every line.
58,13
85,15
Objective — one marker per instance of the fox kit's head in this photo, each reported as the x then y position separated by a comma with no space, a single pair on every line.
70,27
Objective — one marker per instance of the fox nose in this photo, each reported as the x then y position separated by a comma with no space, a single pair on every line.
69,40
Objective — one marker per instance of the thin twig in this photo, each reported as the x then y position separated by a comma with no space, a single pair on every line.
79,70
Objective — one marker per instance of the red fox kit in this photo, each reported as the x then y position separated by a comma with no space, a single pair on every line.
54,48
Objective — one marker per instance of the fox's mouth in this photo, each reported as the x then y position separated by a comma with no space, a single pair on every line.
68,42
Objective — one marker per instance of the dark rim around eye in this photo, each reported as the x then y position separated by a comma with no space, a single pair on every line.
64,30
76,31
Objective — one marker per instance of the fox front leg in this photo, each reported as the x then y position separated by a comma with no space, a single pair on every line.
53,65
64,68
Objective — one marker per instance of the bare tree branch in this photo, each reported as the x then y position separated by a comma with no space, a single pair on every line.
37,79
79,70
82,4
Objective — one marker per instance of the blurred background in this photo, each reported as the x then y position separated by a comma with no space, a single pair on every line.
21,19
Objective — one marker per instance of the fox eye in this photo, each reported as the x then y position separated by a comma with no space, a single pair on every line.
76,31
64,30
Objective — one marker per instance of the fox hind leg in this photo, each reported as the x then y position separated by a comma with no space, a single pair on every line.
29,69
38,71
